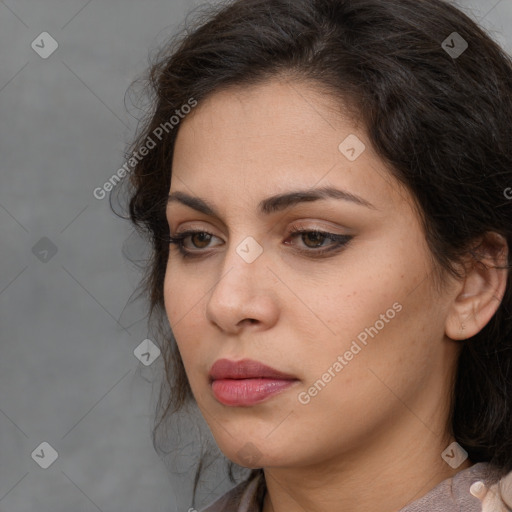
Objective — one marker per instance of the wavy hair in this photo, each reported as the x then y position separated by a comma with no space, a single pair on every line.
441,122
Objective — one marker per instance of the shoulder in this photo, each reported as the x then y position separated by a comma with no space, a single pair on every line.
242,498
473,489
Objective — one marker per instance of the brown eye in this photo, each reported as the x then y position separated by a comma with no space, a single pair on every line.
314,241
201,238
316,238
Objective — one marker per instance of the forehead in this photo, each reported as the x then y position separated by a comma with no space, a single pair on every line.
277,136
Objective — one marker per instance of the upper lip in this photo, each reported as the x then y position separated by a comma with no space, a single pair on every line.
244,369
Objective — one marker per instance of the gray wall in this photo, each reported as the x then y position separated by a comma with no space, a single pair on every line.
68,373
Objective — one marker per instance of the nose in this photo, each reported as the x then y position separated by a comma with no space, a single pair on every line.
244,293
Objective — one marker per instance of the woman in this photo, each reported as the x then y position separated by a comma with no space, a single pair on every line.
326,187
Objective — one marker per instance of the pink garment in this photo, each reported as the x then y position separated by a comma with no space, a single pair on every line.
450,495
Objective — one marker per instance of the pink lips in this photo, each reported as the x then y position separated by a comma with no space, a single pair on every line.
246,382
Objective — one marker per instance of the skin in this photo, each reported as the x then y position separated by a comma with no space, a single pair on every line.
372,438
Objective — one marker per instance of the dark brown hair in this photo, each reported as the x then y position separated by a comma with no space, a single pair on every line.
441,122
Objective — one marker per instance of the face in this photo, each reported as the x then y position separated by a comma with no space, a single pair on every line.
345,310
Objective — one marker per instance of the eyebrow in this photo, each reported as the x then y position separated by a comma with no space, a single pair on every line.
274,203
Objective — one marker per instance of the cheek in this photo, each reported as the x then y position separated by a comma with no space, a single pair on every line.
380,320
181,293
184,306
373,379
177,297
171,300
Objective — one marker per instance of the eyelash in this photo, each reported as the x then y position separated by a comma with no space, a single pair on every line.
341,242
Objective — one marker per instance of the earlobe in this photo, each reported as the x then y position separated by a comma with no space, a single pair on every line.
482,289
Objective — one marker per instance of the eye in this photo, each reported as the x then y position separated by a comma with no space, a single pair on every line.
201,237
313,240
200,240
315,237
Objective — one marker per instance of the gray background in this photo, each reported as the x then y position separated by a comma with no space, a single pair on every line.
68,374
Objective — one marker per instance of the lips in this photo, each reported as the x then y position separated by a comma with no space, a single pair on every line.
246,382
245,369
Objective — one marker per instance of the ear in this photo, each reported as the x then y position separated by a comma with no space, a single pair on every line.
480,293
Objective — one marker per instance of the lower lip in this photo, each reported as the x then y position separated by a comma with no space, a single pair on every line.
237,392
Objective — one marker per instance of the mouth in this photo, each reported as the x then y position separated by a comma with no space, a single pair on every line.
246,382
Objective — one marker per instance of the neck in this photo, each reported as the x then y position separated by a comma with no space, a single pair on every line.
375,479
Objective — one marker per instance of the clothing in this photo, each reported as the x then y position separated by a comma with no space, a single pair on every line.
450,495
